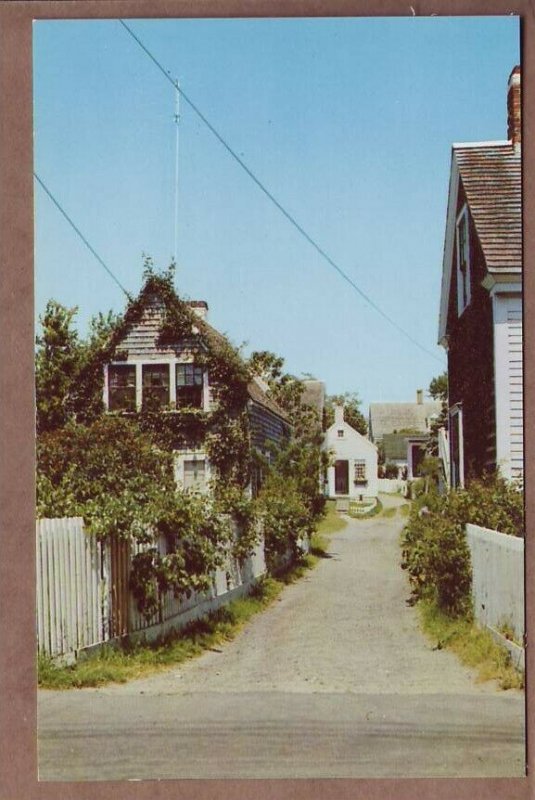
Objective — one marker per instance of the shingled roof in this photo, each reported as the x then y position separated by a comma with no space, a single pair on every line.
143,340
395,417
491,177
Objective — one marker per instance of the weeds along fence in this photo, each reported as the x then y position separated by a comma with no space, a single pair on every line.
83,594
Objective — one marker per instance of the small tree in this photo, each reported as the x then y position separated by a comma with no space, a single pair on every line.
57,363
438,390
352,413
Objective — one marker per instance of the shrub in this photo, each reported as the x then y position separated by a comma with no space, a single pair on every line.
391,470
434,548
286,518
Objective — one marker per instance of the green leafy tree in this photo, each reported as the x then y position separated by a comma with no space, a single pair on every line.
352,413
438,390
57,364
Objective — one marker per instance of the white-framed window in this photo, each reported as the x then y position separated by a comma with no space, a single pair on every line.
360,471
189,386
456,446
340,433
155,384
463,260
192,471
195,475
121,387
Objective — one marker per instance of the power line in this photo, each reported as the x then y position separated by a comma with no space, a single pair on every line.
81,235
274,200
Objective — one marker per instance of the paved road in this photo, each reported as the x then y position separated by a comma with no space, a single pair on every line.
334,680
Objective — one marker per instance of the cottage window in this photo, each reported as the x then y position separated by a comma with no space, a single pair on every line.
360,471
122,387
156,384
456,447
463,262
194,475
341,434
189,386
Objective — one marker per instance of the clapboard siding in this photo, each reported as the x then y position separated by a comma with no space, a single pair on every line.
516,395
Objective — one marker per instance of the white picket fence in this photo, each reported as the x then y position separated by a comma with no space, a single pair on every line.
72,591
83,598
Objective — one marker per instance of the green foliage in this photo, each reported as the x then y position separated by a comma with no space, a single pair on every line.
391,470
438,389
352,413
475,647
285,517
56,366
117,471
434,548
197,539
80,467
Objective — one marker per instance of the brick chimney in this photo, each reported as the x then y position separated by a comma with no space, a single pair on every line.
514,117
199,307
339,415
419,396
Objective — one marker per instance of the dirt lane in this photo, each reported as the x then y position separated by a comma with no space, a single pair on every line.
344,628
334,680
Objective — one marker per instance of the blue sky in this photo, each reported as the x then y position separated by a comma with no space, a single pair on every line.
348,122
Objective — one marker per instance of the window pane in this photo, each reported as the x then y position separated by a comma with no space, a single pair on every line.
156,384
189,386
194,475
122,387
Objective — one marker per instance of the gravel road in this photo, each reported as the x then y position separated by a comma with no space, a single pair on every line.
338,659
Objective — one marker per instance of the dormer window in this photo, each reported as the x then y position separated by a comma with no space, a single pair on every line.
463,261
122,387
156,385
189,386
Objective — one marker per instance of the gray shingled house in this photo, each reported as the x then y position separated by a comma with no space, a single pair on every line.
401,429
170,375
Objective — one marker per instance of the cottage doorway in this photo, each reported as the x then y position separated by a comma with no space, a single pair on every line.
341,477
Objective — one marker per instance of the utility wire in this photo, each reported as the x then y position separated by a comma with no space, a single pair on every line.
274,200
81,235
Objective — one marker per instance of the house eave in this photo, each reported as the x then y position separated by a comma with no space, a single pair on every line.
449,238
503,281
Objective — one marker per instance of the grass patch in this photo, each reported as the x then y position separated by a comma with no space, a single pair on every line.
474,646
120,664
405,510
389,512
332,522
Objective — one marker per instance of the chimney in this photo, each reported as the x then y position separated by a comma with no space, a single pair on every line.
419,396
514,117
339,415
200,308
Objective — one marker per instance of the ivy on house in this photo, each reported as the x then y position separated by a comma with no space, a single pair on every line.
117,470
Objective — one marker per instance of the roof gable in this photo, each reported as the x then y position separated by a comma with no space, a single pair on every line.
389,417
491,177
142,338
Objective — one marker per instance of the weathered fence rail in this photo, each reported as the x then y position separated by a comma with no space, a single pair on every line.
83,595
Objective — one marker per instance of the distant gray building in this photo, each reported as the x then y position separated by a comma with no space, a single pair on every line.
401,429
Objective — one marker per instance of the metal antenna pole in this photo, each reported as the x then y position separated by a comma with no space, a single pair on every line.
177,120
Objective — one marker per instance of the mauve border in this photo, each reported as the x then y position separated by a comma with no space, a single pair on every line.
18,759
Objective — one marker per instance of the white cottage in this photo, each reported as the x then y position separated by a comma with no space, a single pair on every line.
353,470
